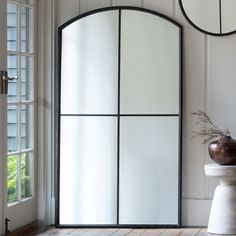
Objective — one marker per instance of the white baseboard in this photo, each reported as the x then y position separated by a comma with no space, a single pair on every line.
195,212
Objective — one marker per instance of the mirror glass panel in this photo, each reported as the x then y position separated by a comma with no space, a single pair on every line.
88,75
88,168
149,170
228,12
215,17
203,13
152,44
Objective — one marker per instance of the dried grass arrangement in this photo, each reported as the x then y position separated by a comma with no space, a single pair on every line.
221,147
209,131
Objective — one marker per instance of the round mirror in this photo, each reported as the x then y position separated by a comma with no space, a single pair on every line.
214,17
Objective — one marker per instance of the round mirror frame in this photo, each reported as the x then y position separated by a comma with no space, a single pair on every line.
200,29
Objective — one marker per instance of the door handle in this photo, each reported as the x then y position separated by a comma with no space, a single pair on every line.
11,78
4,81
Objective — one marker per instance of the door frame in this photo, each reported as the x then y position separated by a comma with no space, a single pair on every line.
5,209
46,43
45,38
14,210
3,174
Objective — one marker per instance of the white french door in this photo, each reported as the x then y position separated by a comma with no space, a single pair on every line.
2,118
17,113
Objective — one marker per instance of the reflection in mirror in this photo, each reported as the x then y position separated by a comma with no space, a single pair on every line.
228,12
214,17
203,13
88,170
88,75
152,44
149,170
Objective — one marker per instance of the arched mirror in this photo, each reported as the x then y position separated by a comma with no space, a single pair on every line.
214,17
119,131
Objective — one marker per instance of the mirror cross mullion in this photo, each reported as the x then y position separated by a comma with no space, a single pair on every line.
119,120
220,17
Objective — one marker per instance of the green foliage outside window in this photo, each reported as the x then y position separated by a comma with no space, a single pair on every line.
12,182
11,179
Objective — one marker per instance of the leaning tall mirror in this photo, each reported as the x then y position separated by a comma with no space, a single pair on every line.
119,139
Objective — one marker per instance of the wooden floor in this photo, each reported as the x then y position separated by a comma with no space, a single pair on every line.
124,232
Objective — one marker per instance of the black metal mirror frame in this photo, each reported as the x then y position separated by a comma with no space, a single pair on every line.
202,30
58,120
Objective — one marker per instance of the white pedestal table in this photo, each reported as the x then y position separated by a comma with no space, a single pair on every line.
222,218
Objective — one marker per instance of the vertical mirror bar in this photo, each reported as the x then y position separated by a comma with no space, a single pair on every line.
220,17
118,120
149,175
88,170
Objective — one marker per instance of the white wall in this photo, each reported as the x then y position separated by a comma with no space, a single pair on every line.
209,84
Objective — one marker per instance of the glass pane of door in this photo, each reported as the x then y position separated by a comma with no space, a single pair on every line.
17,114
20,100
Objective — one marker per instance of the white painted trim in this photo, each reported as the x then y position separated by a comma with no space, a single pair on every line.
14,211
3,173
195,212
2,186
46,45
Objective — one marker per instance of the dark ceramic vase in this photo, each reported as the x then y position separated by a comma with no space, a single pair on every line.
223,151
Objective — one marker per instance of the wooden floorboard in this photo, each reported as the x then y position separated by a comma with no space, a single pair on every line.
100,232
78,232
203,232
153,232
190,231
123,232
172,232
54,231
136,232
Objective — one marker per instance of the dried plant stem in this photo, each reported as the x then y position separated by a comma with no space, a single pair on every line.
209,131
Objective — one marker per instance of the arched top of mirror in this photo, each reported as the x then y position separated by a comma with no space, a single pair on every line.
213,17
102,30
118,8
